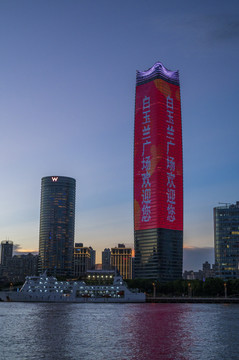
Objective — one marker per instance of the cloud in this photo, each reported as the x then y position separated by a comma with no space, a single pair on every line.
16,248
216,28
205,29
227,30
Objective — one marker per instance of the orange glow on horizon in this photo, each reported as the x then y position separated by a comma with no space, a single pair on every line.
25,251
189,247
196,247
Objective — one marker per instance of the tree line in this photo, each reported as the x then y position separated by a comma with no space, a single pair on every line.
209,287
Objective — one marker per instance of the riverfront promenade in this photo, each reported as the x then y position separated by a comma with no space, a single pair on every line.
190,300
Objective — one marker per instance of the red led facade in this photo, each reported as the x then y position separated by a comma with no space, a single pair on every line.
158,163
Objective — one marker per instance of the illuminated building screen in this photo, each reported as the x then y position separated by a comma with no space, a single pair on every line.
158,164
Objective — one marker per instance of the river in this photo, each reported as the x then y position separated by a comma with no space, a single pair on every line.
118,331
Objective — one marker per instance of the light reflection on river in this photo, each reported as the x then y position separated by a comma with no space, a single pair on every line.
119,331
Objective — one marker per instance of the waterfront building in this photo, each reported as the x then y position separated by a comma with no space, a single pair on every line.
158,175
21,266
121,260
57,225
6,252
106,259
84,259
226,241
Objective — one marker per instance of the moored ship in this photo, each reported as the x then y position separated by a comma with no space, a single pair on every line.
45,288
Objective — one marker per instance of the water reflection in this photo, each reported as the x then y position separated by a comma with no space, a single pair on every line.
159,332
119,331
51,325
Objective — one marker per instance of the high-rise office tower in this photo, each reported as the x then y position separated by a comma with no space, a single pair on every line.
158,175
226,241
6,252
57,225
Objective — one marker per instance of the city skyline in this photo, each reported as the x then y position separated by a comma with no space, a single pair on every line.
67,108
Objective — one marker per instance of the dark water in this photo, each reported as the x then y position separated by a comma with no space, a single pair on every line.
119,331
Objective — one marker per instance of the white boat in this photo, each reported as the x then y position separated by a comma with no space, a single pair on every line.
45,288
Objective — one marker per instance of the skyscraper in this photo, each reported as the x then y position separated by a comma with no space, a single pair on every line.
158,175
57,225
226,241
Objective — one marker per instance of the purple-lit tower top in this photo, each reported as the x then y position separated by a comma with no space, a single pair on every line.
157,71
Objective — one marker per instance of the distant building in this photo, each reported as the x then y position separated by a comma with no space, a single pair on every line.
121,259
84,259
226,241
193,275
206,272
92,258
6,252
57,225
106,259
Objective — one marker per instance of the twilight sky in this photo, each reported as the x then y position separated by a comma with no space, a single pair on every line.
67,90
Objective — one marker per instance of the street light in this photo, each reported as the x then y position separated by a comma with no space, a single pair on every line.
225,289
154,285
